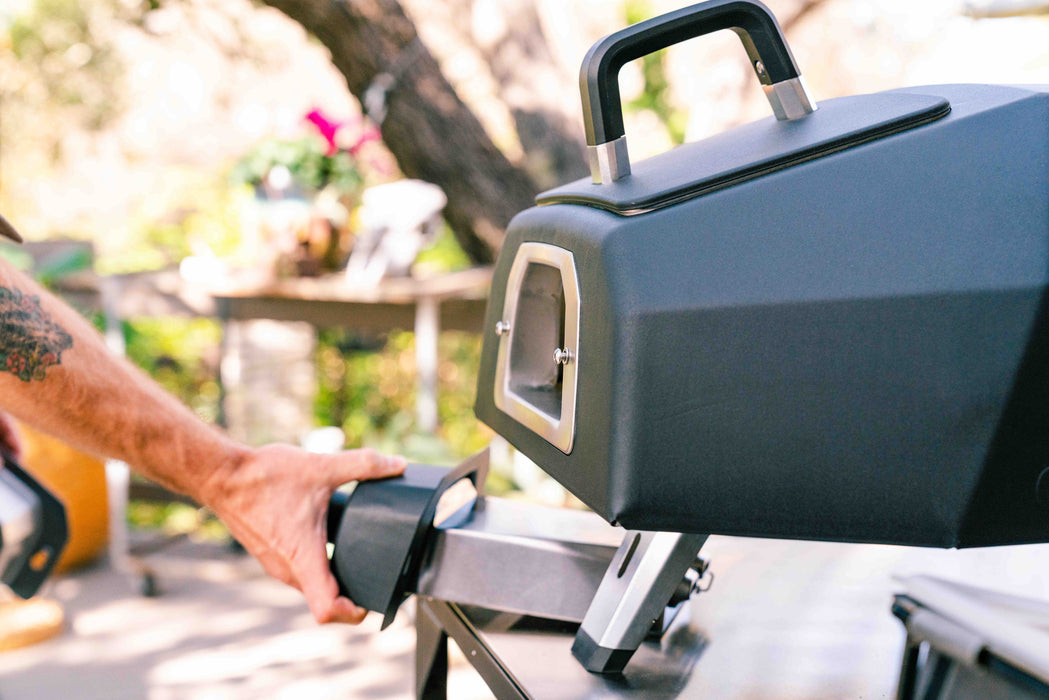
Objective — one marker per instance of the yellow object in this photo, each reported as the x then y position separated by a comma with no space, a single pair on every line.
25,622
79,481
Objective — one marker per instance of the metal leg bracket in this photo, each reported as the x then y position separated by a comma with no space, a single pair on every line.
639,582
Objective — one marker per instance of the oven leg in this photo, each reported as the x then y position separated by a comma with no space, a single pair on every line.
431,655
636,587
907,688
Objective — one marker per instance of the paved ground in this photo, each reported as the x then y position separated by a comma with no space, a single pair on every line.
784,620
221,629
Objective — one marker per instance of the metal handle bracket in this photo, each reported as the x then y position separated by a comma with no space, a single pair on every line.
756,27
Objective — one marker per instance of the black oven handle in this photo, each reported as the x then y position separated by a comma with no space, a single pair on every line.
770,57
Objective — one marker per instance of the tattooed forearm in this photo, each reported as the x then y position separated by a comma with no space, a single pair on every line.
30,341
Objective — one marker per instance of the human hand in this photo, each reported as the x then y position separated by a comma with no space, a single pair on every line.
275,502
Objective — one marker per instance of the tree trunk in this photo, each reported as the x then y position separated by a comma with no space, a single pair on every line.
545,106
431,133
541,96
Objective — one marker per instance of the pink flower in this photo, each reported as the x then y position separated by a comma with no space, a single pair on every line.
369,134
327,129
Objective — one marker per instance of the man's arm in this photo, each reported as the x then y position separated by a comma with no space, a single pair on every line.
56,374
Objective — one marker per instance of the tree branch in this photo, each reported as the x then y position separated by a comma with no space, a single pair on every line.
431,133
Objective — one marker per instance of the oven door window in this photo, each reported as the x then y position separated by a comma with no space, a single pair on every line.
538,358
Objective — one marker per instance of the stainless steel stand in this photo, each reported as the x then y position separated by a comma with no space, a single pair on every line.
521,558
967,642
638,584
531,659
532,564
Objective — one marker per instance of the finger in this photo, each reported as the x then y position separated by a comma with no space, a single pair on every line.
327,606
322,592
320,595
363,464
344,610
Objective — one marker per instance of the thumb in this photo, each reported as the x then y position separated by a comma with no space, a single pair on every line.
364,464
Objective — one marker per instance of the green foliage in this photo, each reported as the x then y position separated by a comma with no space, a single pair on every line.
64,263
656,96
175,519
209,215
17,257
307,161
445,255
460,355
371,395
155,245
182,356
63,62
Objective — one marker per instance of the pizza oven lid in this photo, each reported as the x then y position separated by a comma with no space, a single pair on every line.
797,132
752,150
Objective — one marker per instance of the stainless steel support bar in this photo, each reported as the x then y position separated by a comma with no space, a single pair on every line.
609,161
522,558
790,99
639,582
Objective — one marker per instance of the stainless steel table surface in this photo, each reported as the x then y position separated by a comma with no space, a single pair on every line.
783,619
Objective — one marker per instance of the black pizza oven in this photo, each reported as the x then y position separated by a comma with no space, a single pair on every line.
829,324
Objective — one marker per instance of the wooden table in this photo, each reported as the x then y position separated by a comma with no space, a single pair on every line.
454,301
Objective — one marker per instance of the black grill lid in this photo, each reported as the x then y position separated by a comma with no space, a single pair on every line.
752,150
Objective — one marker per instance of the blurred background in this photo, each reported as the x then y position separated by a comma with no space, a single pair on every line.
152,132
160,156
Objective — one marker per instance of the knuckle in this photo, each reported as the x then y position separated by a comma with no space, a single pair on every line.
369,455
322,614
